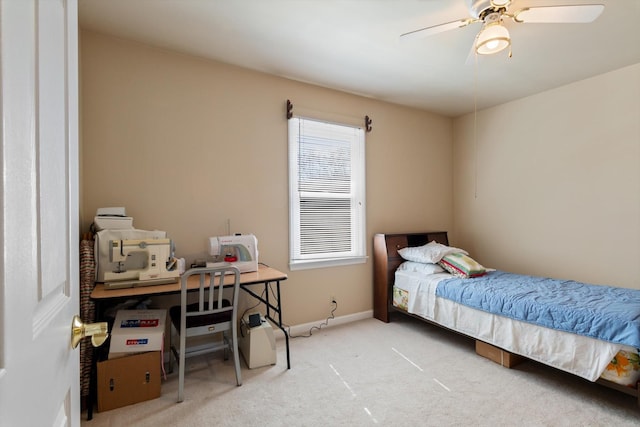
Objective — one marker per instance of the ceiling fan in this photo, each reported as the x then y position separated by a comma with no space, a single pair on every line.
494,36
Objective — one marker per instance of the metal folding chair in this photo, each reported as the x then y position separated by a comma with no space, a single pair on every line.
213,313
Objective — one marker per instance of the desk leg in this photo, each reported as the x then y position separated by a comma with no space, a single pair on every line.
286,339
93,378
266,292
279,322
93,385
286,334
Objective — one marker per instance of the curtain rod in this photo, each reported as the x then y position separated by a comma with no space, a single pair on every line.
367,119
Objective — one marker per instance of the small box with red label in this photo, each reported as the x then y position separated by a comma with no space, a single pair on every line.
136,331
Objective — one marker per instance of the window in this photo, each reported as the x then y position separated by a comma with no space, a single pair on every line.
326,194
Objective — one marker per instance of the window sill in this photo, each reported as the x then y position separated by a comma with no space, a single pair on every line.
323,263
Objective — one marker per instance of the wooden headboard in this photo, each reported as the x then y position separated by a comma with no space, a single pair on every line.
386,260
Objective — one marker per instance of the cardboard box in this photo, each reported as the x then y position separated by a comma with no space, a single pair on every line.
128,380
498,355
136,331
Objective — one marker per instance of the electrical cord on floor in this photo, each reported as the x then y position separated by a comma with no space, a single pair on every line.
325,323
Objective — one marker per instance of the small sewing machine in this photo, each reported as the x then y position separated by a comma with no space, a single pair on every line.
241,251
152,260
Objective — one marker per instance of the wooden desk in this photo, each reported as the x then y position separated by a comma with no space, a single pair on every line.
264,276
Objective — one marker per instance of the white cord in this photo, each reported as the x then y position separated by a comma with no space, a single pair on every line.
475,124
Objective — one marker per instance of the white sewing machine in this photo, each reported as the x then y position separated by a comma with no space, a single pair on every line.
241,251
155,264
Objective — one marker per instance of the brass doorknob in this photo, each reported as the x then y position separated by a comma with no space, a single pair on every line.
97,331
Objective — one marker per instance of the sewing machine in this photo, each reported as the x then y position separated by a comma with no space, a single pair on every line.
241,251
140,262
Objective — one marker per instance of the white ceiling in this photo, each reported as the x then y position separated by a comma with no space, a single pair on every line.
354,45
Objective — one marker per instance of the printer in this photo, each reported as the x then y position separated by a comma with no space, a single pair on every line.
112,219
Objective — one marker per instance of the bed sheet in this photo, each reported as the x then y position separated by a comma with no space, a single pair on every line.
582,356
605,313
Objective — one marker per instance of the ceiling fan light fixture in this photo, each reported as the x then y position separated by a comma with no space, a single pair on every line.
500,3
492,39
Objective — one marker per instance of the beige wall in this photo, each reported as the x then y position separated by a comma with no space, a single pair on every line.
550,184
186,144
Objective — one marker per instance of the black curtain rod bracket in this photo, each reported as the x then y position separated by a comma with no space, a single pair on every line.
289,109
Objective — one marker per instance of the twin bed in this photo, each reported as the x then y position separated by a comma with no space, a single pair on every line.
589,331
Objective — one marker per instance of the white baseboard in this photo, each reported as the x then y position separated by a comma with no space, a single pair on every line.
304,328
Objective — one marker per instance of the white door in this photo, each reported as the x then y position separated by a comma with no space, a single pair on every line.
39,372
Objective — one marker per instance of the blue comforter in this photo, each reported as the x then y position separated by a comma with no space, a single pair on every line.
602,312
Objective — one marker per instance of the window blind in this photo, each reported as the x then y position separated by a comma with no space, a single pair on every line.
326,191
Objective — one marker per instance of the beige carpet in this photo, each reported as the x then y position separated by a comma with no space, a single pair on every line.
366,373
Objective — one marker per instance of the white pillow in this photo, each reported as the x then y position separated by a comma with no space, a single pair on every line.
431,253
419,267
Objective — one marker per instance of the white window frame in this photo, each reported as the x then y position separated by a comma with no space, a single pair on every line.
313,254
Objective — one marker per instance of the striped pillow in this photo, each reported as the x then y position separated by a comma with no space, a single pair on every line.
461,265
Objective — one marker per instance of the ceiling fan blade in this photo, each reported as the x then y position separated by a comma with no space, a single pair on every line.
580,13
435,29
